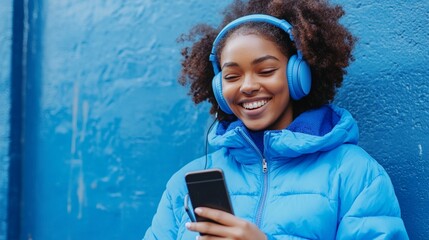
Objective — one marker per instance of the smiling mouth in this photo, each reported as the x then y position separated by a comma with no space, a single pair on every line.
254,105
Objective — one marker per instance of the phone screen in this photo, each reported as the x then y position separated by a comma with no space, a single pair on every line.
207,188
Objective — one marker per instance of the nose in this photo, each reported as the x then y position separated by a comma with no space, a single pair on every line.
249,85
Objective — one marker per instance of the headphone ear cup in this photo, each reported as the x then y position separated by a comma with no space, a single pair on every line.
299,77
217,91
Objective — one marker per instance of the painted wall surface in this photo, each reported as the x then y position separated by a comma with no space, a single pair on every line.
106,123
5,103
387,90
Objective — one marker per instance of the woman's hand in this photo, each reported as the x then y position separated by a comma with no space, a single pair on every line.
229,227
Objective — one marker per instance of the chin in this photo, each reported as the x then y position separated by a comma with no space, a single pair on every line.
255,126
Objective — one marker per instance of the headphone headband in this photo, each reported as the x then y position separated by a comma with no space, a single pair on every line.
281,23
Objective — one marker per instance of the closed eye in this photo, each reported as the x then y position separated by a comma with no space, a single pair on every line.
231,77
267,72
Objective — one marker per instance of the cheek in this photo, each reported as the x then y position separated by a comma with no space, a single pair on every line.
228,91
279,85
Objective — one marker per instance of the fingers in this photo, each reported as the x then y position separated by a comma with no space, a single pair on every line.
219,216
211,230
225,226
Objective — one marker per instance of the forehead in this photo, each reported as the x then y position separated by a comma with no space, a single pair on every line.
242,46
265,31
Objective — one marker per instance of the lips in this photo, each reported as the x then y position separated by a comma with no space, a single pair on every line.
254,104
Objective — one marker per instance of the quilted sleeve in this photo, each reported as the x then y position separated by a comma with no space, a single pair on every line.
163,223
373,214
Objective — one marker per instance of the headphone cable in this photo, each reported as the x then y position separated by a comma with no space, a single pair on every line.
207,140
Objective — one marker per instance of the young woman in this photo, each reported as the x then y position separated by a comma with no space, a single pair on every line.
290,157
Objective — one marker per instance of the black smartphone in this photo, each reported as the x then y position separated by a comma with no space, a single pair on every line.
207,188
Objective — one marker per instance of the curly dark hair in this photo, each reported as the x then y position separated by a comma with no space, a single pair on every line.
325,44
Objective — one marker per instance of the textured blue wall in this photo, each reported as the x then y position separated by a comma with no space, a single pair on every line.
5,103
387,90
106,124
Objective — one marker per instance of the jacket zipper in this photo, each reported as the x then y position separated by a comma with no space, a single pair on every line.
265,173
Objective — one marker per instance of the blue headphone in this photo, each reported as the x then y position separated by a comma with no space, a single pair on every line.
298,71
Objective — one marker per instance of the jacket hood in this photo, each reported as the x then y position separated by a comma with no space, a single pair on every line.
315,130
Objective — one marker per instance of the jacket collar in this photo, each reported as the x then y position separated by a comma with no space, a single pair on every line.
315,130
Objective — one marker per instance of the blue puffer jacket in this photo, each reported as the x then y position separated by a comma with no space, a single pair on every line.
317,184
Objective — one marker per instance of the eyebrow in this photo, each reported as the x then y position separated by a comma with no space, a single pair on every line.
254,62
261,59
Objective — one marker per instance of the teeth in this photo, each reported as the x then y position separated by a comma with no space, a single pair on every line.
256,104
